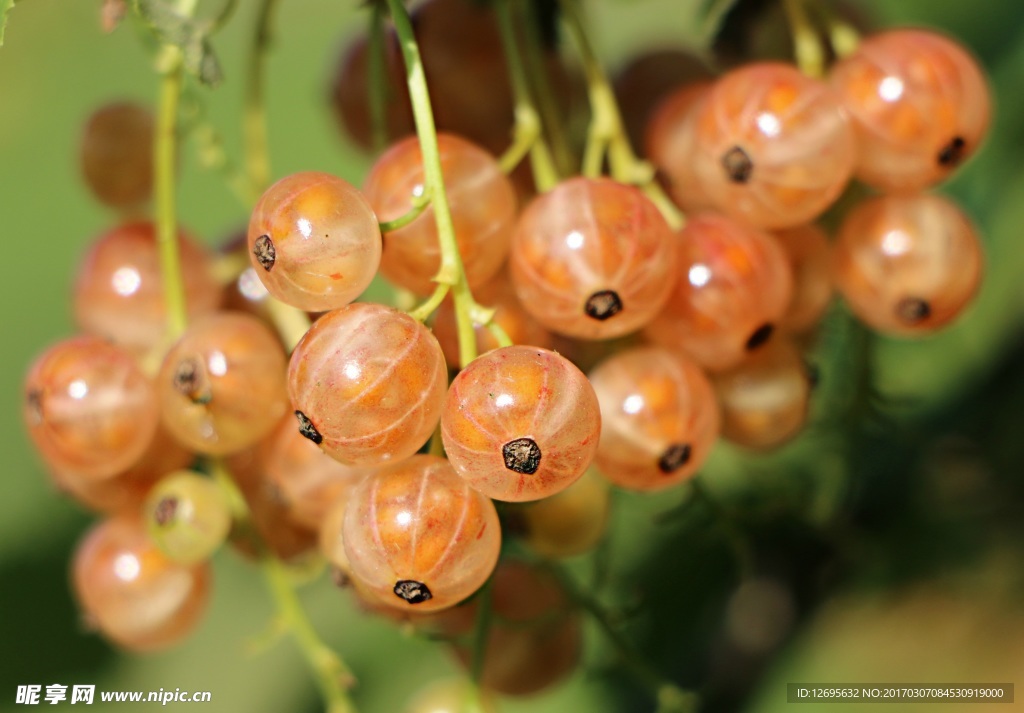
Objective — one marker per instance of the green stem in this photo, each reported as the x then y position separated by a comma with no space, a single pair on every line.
427,308
164,154
257,159
418,205
499,334
843,36
607,132
807,48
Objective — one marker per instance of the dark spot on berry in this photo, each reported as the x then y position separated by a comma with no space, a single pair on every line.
190,380
522,455
340,577
737,165
603,305
761,335
307,429
675,457
953,152
813,373
165,510
912,310
34,402
412,591
265,252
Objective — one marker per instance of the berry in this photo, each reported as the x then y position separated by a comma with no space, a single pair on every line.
765,399
907,265
314,241
669,142
809,256
920,106
419,536
659,418
520,423
734,288
367,383
332,537
571,522
593,259
449,696
89,409
773,147
117,154
187,517
119,293
131,592
222,384
482,202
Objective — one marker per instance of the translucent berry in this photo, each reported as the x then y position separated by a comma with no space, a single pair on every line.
419,536
733,289
508,314
659,418
119,294
367,383
482,202
308,480
89,409
187,517
670,144
449,696
571,522
773,146
314,241
134,595
520,423
920,106
764,400
117,154
222,384
907,265
593,258
332,537
809,255
535,639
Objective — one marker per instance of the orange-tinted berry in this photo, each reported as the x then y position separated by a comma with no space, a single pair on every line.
809,255
571,522
669,144
117,154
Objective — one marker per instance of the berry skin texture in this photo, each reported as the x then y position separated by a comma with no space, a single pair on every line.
314,241
520,423
920,106
907,265
117,154
367,383
669,142
222,384
659,418
90,411
593,259
734,287
765,399
187,517
131,592
810,260
482,202
773,146
419,537
119,294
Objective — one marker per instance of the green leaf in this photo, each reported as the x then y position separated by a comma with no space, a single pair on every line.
5,7
189,35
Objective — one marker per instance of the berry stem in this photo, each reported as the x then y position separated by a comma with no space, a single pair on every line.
419,204
807,49
607,133
528,132
430,305
843,36
257,159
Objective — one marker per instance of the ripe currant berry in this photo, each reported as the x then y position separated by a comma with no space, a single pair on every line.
669,142
418,536
117,154
809,256
187,517
314,241
520,423
571,522
907,264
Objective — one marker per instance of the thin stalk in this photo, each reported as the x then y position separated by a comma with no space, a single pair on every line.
164,155
843,36
257,157
430,305
807,48
417,206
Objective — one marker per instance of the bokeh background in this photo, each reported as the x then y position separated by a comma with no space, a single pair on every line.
887,543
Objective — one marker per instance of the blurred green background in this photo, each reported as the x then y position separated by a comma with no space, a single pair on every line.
886,547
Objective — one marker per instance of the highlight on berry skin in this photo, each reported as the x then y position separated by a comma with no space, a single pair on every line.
733,290
368,384
520,423
481,198
592,259
314,241
920,105
90,411
187,517
418,536
907,265
659,418
222,385
772,146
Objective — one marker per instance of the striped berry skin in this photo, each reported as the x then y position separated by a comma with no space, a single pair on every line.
367,383
418,536
520,423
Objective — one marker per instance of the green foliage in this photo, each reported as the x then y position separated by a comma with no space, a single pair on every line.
189,35
5,7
